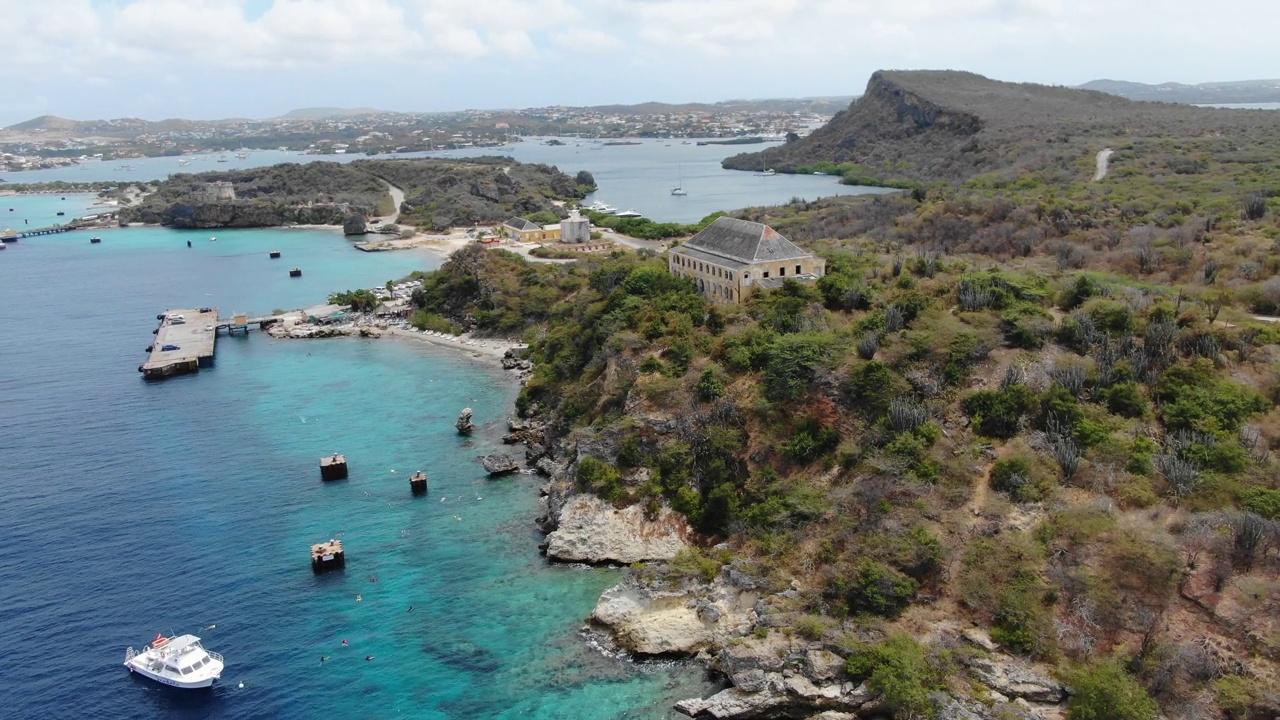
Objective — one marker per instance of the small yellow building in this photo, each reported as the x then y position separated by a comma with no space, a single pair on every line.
730,258
526,231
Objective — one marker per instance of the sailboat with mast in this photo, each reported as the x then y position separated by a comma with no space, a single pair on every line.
679,189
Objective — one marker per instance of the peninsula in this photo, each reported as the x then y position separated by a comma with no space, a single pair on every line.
1005,452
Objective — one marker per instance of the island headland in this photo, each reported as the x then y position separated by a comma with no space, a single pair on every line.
1008,456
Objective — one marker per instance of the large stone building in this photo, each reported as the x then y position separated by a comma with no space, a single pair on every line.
523,230
215,192
732,257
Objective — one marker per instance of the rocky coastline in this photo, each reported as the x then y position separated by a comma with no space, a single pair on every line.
734,620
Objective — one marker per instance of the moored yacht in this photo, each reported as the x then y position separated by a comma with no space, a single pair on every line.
628,213
177,661
601,207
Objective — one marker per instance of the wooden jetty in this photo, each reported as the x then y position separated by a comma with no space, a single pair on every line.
193,338
333,467
328,556
418,483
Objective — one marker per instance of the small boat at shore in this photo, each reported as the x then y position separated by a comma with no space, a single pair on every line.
95,240
179,662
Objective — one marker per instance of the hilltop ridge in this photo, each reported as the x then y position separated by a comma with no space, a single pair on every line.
931,125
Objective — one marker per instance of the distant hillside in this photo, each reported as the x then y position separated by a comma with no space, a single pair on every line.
328,113
1241,91
948,125
816,105
45,122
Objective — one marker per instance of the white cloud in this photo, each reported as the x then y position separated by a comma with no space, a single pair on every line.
676,49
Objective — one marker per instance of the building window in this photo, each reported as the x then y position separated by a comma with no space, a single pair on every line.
798,271
766,273
782,271
746,276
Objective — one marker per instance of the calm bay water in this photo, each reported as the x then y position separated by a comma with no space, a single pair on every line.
133,508
630,177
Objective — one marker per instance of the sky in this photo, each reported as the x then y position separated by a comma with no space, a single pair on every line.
207,59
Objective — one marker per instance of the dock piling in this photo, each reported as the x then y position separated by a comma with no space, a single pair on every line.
333,467
328,556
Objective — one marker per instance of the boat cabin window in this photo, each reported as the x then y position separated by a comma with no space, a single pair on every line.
171,668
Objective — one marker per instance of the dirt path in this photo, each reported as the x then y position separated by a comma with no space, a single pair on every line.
1103,157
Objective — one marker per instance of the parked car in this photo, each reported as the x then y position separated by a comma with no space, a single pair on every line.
170,347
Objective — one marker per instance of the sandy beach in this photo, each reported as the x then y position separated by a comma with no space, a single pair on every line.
487,349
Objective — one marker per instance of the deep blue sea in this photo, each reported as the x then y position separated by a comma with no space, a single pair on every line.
189,505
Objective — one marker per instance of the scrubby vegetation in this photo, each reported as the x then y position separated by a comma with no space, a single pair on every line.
1036,405
439,194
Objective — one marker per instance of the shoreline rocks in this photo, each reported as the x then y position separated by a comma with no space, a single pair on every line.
498,464
592,531
650,619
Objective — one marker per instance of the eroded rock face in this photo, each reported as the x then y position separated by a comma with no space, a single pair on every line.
499,464
354,224
649,620
464,424
1015,679
590,530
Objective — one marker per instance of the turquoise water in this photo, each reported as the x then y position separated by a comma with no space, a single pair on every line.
133,508
232,272
32,211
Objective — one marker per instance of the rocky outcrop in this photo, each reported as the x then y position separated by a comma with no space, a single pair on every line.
464,424
652,619
592,531
1013,678
499,464
304,332
355,224
525,430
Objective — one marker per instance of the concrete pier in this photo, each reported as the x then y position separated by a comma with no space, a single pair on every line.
193,333
333,467
328,556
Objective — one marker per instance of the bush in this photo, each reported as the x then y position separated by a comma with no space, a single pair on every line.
872,386
1124,399
900,670
1263,501
998,413
1104,691
600,478
812,441
791,362
1013,475
876,589
424,320
711,385
1192,399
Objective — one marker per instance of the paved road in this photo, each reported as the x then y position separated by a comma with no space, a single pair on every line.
611,236
1103,157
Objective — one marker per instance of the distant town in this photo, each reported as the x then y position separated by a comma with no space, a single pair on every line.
49,141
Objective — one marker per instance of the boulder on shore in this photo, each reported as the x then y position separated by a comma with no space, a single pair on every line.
499,464
354,224
592,531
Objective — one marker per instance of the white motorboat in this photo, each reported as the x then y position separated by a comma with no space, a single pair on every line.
177,661
601,207
628,213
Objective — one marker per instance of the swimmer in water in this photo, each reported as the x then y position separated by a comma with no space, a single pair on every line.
359,598
367,658
324,658
344,642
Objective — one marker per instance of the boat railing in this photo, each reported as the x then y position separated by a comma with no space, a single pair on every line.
130,654
214,655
